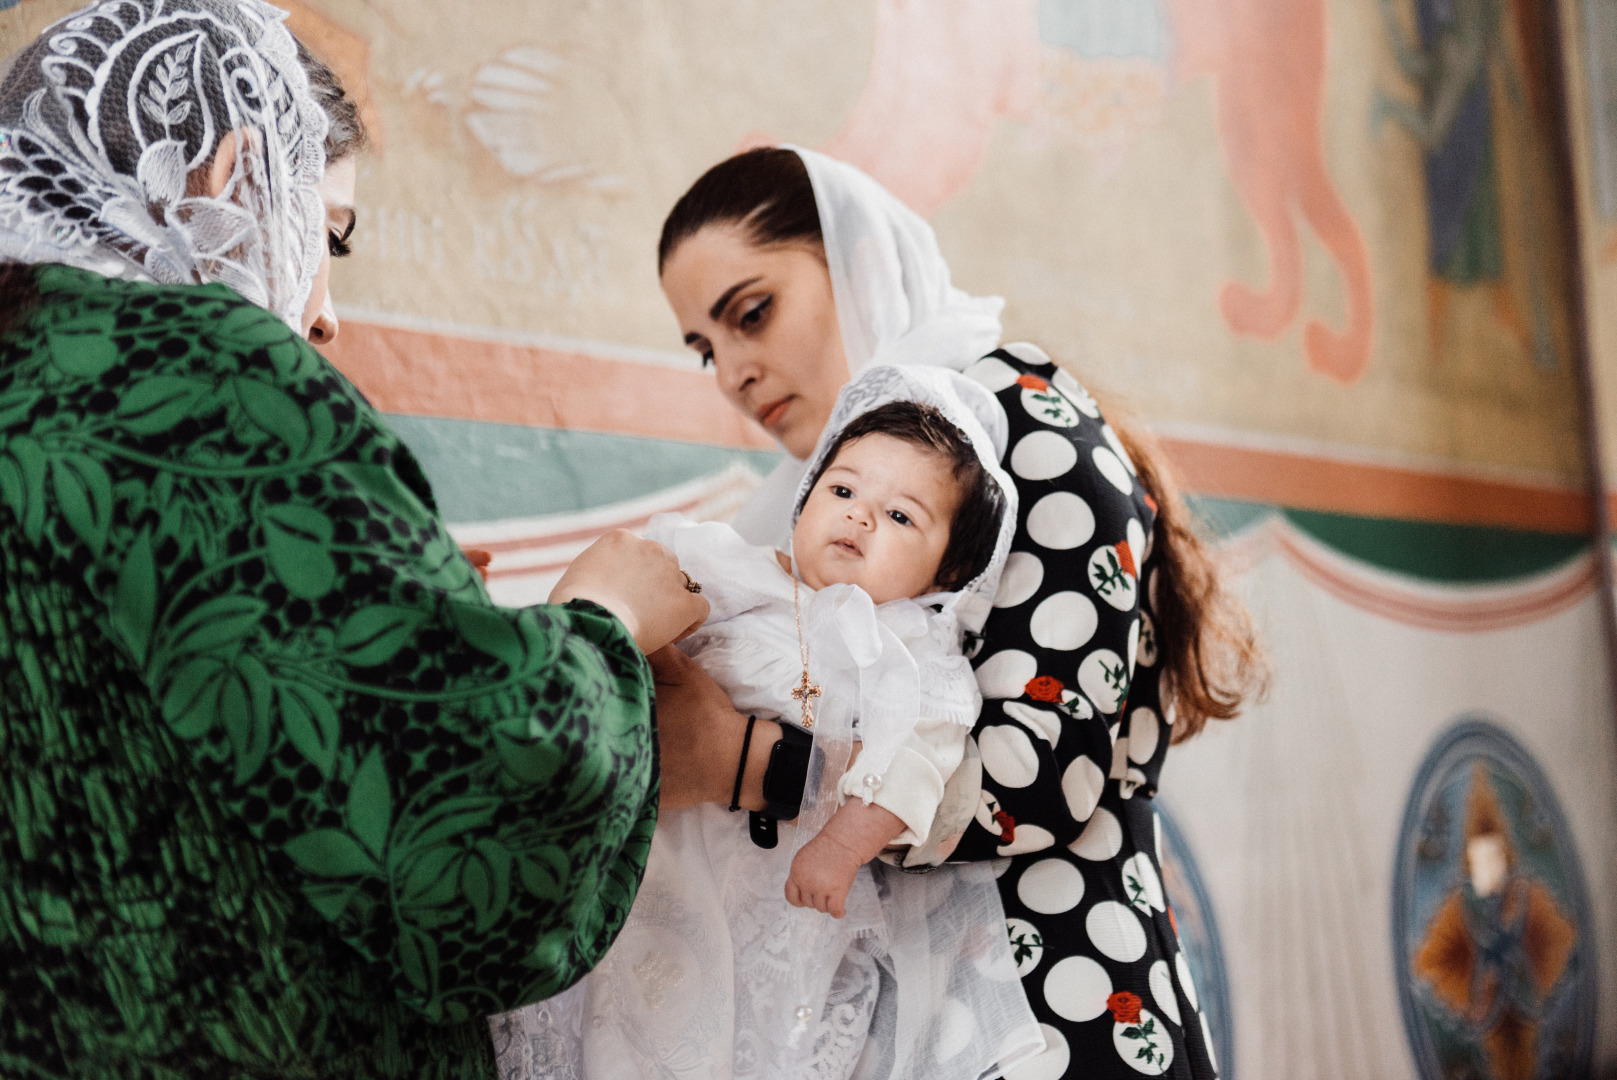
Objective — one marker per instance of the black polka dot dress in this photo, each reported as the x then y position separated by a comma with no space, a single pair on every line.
1073,737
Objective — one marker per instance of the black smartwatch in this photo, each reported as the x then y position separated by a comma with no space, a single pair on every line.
784,778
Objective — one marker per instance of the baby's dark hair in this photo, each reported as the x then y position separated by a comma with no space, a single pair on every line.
974,529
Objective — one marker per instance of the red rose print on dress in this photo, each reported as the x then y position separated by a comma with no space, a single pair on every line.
1052,691
1045,688
1045,403
1125,556
1138,1036
1125,1007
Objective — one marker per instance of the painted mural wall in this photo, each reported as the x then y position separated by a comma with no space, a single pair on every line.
1314,243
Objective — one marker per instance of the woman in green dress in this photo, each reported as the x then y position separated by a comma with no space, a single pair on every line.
282,794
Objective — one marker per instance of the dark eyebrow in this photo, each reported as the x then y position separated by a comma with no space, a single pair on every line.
729,294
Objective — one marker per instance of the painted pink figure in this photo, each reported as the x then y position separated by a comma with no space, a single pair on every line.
1268,61
941,73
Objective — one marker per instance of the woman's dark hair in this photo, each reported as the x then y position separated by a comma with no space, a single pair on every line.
766,191
974,529
1211,661
344,138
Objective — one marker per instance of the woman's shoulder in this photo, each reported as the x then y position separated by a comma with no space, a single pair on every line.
1059,439
151,326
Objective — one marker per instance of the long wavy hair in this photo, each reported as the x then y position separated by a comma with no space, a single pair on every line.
1211,660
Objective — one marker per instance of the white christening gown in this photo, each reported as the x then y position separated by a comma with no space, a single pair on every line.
714,976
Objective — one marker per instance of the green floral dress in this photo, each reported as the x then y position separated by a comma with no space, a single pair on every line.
282,794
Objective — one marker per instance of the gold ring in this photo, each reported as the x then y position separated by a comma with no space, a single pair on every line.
690,585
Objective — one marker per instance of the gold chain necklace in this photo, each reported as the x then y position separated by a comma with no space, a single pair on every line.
806,690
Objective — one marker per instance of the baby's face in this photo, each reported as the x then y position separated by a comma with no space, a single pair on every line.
878,518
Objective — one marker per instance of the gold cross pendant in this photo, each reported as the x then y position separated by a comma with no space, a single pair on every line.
806,693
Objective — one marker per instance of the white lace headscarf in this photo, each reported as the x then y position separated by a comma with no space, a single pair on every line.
895,303
970,407
110,120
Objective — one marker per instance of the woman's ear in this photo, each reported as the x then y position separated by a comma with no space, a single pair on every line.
224,163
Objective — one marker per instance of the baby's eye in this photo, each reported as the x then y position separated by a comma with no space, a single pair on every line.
750,317
900,517
841,492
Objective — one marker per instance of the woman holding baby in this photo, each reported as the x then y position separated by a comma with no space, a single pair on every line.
1102,636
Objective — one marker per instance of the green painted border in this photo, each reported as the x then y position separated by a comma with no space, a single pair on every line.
482,472
1430,550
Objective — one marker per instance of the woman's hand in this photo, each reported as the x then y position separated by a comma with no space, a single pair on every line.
638,581
699,737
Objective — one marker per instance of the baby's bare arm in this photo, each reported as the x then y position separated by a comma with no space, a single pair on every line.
823,870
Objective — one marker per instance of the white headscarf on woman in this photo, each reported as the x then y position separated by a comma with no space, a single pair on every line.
895,302
107,120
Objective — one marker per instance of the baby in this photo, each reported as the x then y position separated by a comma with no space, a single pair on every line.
904,521
901,508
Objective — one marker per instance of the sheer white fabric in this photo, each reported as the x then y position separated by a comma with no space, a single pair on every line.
712,966
109,123
895,302
714,974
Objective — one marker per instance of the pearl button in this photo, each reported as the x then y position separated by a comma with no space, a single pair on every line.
804,1014
872,781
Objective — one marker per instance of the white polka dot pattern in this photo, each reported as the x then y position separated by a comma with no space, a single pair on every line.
1151,1055
1186,983
1045,724
1101,839
1021,578
1143,734
1117,448
1111,467
1111,578
1115,931
1076,394
1051,886
1045,455
1142,885
1070,638
1027,945
1028,838
1063,621
1103,677
1162,991
1061,521
1027,352
1006,674
1082,783
993,373
1008,755
1077,988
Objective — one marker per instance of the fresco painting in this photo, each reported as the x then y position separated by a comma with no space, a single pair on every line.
1305,239
1490,917
1478,71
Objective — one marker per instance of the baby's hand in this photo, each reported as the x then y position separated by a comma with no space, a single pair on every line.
822,873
